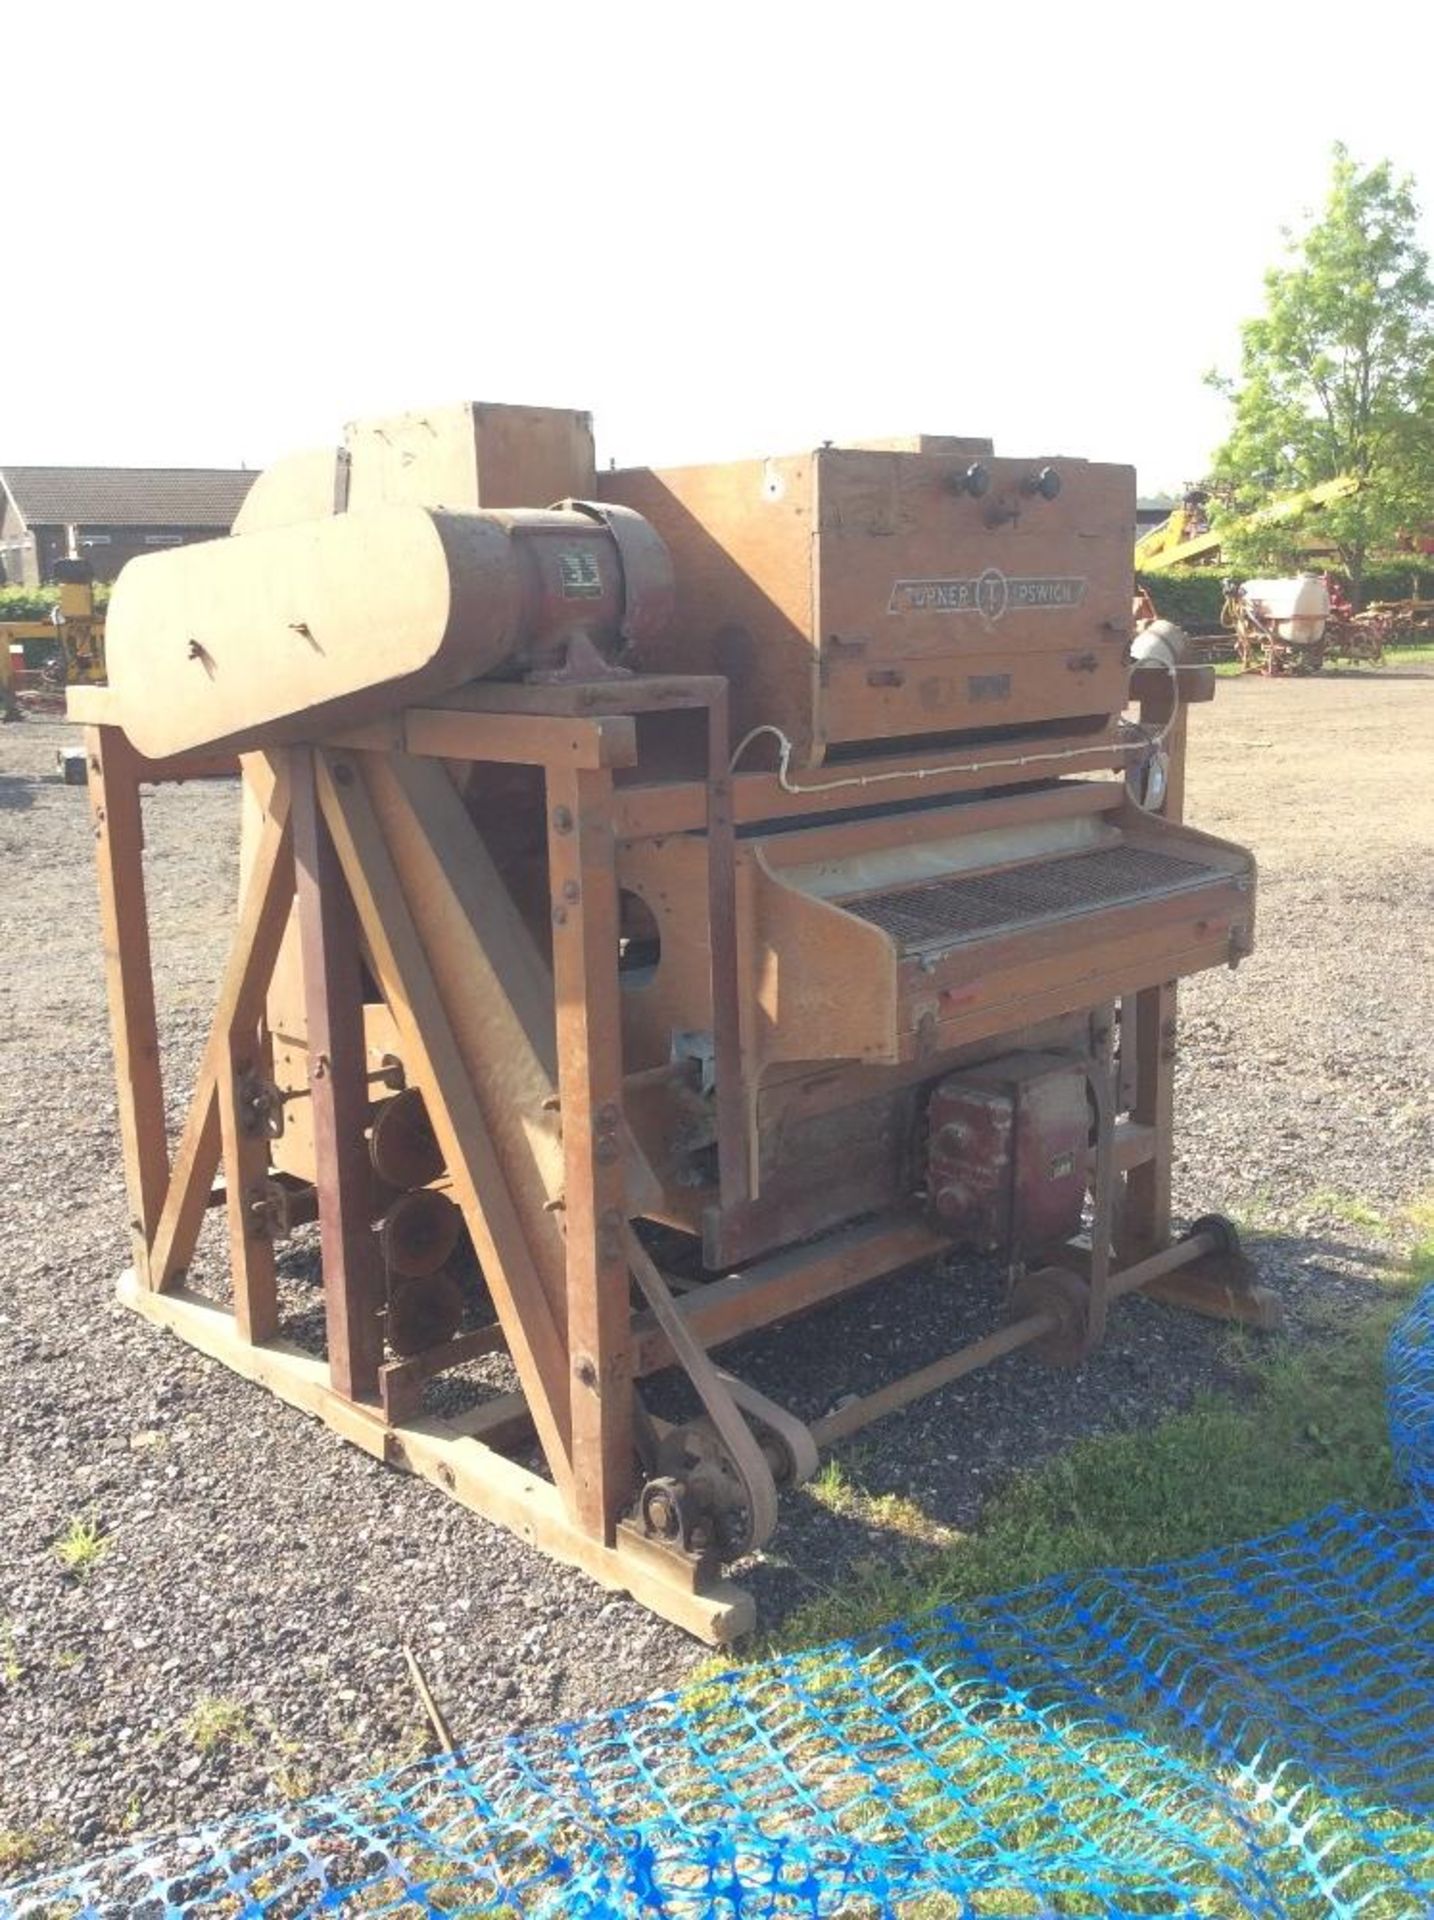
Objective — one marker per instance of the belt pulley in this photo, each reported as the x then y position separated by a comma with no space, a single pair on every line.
715,1479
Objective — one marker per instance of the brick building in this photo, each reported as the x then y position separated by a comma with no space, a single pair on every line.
107,515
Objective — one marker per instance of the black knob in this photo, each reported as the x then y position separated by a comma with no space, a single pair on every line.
976,481
1047,483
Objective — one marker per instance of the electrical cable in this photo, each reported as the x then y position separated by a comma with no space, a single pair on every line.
1151,742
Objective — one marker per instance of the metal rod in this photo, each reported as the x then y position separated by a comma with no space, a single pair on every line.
1182,1254
912,1386
940,1373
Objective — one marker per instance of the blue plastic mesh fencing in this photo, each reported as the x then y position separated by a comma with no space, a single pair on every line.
1247,1732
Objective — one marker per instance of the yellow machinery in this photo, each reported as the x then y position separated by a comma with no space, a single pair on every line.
707,895
74,630
1186,538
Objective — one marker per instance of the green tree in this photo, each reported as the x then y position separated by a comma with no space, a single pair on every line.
1336,379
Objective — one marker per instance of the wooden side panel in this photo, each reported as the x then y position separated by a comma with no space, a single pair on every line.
740,537
476,454
941,612
857,595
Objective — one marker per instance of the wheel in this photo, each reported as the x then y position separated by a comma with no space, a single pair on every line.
423,1313
1064,1295
1222,1231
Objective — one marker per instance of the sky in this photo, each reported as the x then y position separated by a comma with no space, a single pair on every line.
724,230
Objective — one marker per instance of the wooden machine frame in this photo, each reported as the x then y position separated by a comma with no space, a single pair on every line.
322,845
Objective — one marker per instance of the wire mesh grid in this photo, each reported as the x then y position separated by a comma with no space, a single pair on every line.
985,903
1247,1732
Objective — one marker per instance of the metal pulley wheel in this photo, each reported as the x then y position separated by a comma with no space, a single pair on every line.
419,1232
1222,1231
1065,1297
695,1459
403,1147
785,1440
423,1313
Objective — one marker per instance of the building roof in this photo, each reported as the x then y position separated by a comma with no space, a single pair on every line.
127,496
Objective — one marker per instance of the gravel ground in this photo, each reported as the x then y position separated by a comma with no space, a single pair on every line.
240,1636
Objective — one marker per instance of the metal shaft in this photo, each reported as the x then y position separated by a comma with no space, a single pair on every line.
912,1386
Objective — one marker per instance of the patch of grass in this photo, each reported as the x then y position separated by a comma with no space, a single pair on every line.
1419,1219
1313,1429
1421,1261
18,1850
1342,1206
1417,655
1259,1214
82,1546
894,1513
214,1722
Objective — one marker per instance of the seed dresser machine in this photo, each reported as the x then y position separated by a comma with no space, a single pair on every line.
744,868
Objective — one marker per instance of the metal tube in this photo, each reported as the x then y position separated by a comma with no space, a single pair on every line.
1181,1254
913,1386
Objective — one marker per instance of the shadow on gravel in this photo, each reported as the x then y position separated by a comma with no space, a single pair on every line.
17,791
1385,673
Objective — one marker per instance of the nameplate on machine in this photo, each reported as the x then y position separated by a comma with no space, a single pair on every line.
990,594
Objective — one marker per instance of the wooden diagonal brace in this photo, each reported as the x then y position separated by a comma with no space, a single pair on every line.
124,926
263,915
434,1064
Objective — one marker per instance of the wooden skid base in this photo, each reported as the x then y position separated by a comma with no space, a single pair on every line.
717,1612
1206,1287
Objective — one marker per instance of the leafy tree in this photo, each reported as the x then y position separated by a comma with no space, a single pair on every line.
1336,379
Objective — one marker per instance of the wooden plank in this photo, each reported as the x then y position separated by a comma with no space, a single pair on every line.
1133,1144
634,693
1111,974
1071,800
471,456
129,980
1176,746
245,1152
179,767
434,1064
477,1477
522,738
582,878
791,1282
511,739
1150,688
497,986
1206,1288
647,812
339,1095
263,914
733,1153
401,1382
